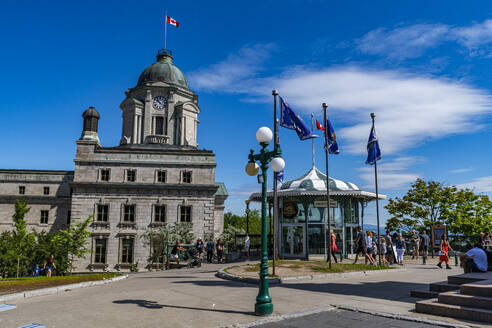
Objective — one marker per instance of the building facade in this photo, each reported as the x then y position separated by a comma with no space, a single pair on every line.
156,176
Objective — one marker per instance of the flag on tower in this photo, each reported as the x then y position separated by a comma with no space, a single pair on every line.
172,21
332,139
319,126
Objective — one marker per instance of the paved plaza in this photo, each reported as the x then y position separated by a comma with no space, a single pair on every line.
197,298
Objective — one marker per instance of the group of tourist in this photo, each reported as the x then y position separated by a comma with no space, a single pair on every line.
48,267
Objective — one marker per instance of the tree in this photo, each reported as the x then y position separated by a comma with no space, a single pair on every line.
425,204
72,241
430,202
472,213
157,240
21,242
239,222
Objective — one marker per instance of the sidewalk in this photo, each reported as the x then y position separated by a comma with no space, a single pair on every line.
197,298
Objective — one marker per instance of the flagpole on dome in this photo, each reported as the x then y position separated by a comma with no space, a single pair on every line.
312,139
165,31
327,130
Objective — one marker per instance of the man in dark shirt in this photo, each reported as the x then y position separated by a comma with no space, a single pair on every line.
210,250
389,248
425,242
360,245
174,253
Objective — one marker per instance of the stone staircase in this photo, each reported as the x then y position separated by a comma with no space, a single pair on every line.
465,296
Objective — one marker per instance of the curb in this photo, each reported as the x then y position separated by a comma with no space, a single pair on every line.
402,317
54,290
276,281
346,308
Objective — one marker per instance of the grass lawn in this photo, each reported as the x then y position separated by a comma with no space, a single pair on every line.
16,285
318,266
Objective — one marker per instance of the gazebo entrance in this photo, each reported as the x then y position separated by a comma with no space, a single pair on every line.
293,240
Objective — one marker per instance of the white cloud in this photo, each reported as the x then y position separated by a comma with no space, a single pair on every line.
391,175
410,108
246,63
413,40
403,42
482,184
460,170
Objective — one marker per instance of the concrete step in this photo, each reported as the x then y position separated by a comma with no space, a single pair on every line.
479,288
443,286
456,298
423,294
467,278
432,306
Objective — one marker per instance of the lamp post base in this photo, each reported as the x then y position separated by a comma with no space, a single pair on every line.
264,308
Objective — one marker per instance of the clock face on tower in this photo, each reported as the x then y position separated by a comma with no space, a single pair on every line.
159,102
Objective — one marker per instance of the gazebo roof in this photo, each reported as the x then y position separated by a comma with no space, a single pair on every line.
313,183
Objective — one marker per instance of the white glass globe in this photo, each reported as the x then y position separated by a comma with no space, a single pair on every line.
264,135
277,164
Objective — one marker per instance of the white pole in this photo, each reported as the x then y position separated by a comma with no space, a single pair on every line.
165,30
312,139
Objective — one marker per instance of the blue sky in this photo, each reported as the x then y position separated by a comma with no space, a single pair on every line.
423,67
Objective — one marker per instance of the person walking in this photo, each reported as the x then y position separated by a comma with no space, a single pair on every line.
49,264
389,248
334,247
444,252
360,244
401,248
210,250
246,245
383,248
425,243
370,248
415,245
199,247
220,250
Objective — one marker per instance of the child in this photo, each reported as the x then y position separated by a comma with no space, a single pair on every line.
383,250
35,272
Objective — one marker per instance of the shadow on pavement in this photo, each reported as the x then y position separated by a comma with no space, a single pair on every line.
387,290
154,305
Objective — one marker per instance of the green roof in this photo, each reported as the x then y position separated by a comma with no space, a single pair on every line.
222,191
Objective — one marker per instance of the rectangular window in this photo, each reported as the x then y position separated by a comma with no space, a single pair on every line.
185,213
159,125
161,176
186,176
69,217
104,174
129,213
160,213
100,251
46,190
127,250
102,213
131,175
22,190
44,217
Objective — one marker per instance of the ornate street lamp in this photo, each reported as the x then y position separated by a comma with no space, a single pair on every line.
264,305
247,201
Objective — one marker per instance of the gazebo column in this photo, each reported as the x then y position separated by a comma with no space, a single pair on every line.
362,214
344,229
306,231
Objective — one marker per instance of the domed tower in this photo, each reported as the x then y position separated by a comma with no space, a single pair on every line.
160,109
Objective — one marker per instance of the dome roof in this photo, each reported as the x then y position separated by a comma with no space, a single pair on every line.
314,180
91,112
163,71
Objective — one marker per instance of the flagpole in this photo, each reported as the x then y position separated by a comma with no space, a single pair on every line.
165,30
325,106
377,195
312,139
275,197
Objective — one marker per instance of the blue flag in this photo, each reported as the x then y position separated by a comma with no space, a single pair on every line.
280,176
290,120
332,139
373,151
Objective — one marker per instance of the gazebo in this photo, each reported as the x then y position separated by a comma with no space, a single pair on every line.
302,215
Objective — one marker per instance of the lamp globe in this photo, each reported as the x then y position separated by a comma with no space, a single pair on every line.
264,135
277,164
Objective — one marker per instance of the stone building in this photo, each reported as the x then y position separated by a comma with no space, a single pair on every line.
156,176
